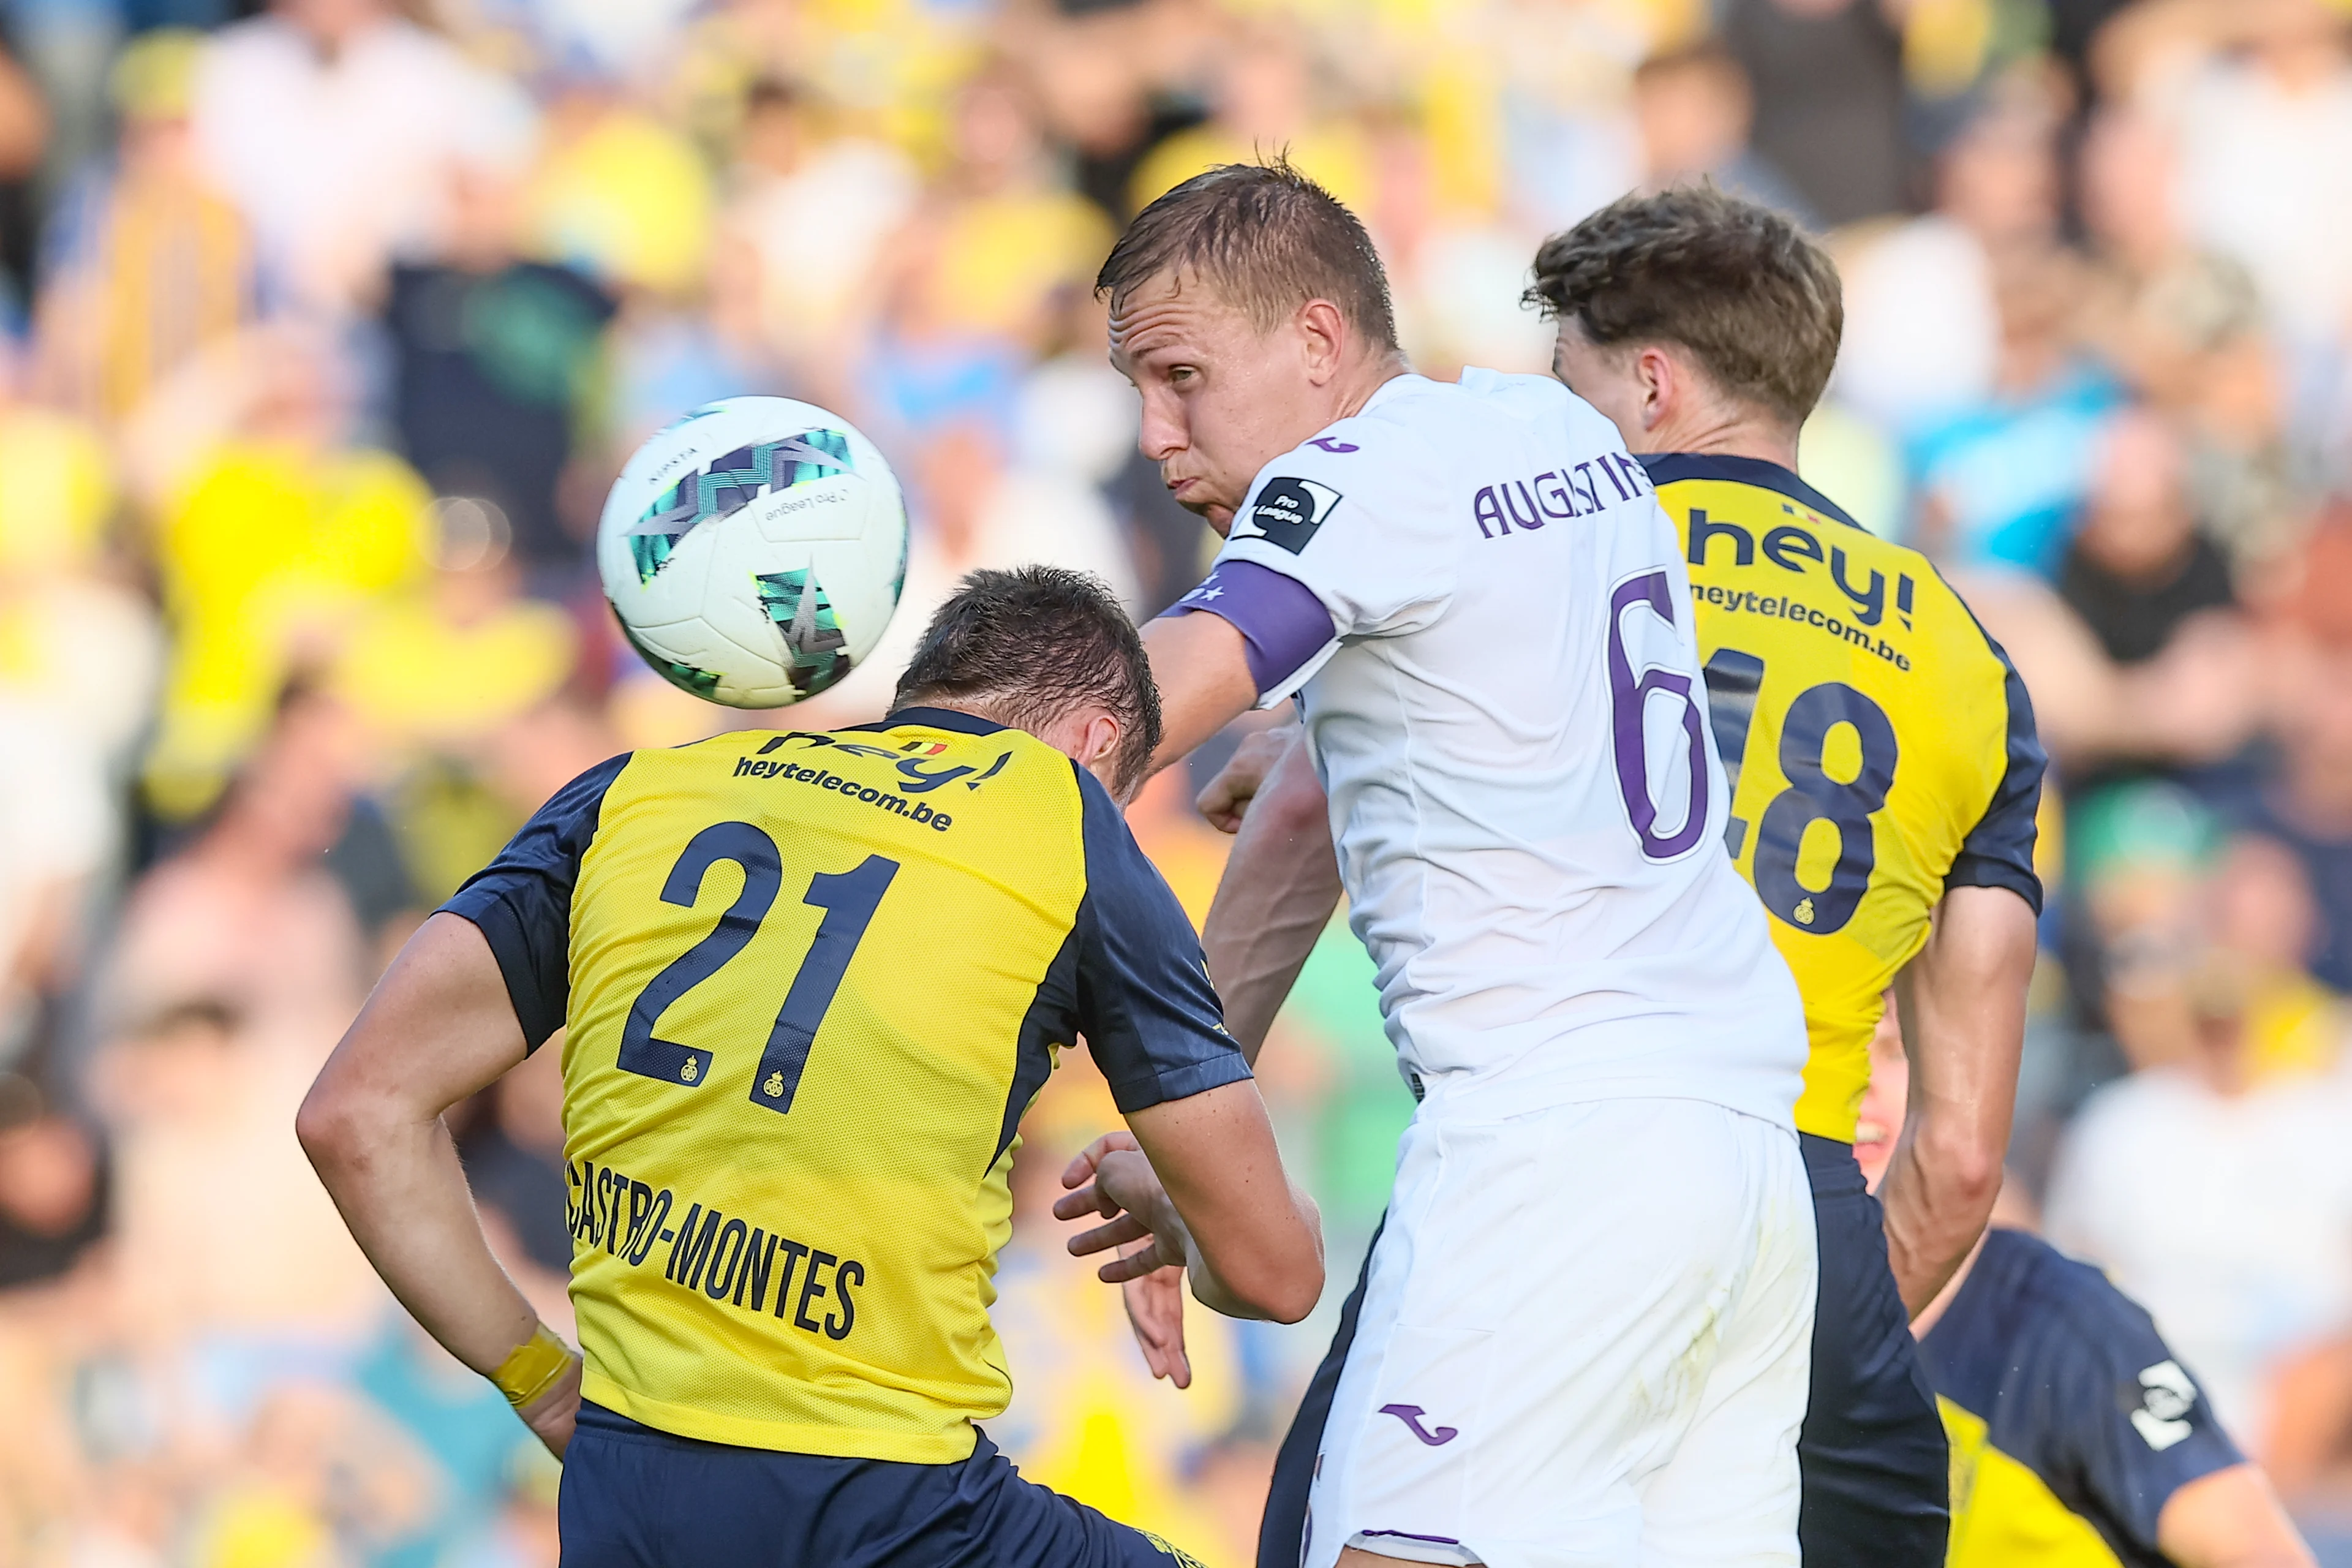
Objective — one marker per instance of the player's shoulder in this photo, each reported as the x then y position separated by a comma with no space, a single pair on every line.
1414,420
2028,1310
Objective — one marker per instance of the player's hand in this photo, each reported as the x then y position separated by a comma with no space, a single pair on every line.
1110,1177
1155,1310
1226,800
552,1414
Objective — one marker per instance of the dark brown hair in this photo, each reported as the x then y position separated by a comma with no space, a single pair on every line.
1267,237
1025,646
1739,284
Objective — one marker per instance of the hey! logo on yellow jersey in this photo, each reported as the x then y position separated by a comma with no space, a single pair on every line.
810,981
1878,746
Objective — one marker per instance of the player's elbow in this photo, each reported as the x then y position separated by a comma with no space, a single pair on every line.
333,1127
1283,1293
1296,807
1962,1164
1283,1281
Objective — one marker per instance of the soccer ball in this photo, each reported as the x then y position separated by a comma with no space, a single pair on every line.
753,551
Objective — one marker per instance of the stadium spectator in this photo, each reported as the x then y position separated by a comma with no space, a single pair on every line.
147,264
1828,76
2213,1184
329,123
2265,128
1695,111
495,369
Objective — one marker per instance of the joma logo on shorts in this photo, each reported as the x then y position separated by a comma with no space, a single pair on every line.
1410,1415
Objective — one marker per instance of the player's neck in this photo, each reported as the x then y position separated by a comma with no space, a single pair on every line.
1715,433
1357,386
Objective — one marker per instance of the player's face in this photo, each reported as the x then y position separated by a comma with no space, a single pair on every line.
1885,1102
1609,379
1221,398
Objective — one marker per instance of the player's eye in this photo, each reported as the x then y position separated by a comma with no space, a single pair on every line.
1182,372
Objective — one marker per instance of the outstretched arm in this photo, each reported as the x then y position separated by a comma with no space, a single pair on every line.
1962,1004
1202,665
439,1028
1281,882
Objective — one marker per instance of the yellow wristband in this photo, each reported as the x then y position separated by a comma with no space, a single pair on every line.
532,1368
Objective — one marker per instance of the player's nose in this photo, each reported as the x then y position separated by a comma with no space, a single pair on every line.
1162,433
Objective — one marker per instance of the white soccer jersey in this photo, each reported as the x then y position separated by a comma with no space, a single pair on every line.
1502,696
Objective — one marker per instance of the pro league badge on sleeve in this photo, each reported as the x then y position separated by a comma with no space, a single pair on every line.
1287,512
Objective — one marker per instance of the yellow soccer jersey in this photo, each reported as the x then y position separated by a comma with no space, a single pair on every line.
811,984
1878,745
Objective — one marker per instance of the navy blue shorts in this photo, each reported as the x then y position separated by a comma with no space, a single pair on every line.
635,1498
1878,1474
1877,1480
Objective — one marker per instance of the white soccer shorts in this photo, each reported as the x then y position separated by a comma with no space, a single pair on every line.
1584,1344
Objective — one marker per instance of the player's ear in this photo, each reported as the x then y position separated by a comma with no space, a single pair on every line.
1099,749
1323,338
1662,384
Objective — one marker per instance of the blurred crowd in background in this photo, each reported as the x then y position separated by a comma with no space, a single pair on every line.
327,323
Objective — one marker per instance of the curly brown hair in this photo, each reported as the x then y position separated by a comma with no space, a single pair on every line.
1741,286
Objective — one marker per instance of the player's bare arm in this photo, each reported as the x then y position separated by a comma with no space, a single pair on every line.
1202,669
1280,886
2229,1519
440,1027
1962,1002
1201,1179
1225,799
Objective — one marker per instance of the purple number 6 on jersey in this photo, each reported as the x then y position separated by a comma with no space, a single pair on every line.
1628,699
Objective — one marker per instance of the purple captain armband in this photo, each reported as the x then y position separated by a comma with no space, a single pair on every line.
1282,624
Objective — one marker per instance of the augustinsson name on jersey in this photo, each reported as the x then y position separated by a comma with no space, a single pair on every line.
720,1255
912,778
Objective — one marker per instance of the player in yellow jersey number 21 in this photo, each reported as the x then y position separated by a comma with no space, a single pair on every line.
804,1006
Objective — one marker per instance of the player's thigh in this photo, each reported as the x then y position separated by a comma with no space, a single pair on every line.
1537,1331
1730,1491
1876,1470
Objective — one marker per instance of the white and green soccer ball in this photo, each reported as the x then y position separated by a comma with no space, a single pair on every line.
754,550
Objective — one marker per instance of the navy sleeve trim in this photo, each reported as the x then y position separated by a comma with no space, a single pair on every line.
1144,1001
1050,1021
1282,624
1998,850
521,902
1666,467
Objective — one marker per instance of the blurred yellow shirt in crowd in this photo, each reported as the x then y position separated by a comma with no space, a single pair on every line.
1335,156
1001,259
268,544
415,675
2294,1028
628,198
57,492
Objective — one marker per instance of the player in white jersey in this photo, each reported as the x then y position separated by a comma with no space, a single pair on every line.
1584,1336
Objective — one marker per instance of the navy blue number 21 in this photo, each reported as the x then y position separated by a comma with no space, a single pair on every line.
848,900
